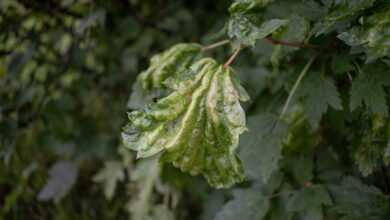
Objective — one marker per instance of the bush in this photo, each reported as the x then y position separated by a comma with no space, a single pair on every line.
256,109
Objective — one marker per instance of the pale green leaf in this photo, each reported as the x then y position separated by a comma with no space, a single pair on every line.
144,177
373,33
62,176
150,83
196,127
247,29
109,176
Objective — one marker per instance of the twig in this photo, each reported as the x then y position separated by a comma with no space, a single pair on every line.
232,57
295,87
291,44
214,45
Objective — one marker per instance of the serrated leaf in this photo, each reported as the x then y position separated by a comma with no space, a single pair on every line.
368,88
251,203
110,175
262,145
373,33
247,29
355,200
318,93
150,83
309,202
196,127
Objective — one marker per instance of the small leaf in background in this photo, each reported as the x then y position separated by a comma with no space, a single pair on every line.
368,88
261,146
373,33
112,173
247,30
161,212
341,12
318,93
296,31
309,202
62,177
97,17
355,200
144,177
300,167
250,203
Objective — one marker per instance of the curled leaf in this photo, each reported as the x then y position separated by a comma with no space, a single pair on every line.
150,84
197,126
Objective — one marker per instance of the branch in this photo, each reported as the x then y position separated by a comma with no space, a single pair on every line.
291,44
214,45
295,87
231,59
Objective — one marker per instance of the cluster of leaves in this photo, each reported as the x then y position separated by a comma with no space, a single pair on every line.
312,142
318,120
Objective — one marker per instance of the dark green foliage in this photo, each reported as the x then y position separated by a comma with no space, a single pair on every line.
310,142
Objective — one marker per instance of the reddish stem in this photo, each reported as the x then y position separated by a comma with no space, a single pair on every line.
291,44
231,58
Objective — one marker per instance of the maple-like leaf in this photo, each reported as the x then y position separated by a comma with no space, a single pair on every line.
368,88
251,203
318,93
197,126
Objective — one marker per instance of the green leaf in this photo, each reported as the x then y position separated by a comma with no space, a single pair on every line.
247,29
296,31
373,33
354,200
261,147
251,203
371,148
340,12
300,166
279,204
150,83
318,93
197,126
309,202
110,175
368,88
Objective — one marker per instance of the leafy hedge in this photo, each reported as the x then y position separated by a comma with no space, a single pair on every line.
283,104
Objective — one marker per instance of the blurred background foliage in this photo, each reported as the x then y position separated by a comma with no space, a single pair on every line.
66,70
